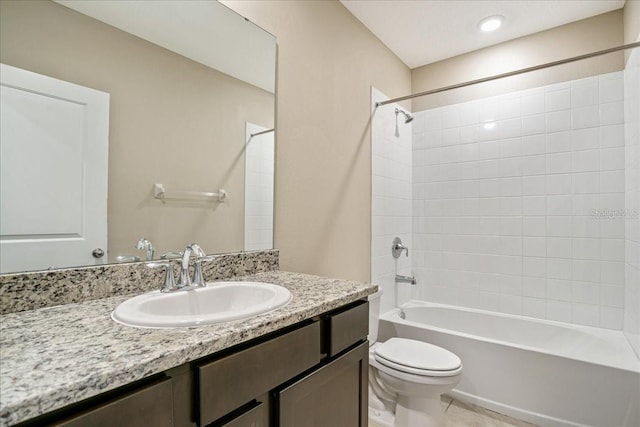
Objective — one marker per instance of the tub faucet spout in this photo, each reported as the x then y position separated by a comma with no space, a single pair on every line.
405,279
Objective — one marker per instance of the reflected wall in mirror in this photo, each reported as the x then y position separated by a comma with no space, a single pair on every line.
172,120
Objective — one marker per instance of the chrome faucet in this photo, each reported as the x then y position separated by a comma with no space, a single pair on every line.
145,245
405,279
185,281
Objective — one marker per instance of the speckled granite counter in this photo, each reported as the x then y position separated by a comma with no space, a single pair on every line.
55,356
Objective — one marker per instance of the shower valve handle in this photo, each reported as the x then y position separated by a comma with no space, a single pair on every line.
397,247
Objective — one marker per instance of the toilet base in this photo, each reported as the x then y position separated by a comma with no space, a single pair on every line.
380,418
418,412
409,413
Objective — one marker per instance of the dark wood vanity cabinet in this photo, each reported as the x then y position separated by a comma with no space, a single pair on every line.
230,382
314,373
333,395
150,404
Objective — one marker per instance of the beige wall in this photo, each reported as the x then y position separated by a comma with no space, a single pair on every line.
588,35
327,61
631,21
172,121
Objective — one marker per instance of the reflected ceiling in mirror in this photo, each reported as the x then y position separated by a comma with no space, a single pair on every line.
173,119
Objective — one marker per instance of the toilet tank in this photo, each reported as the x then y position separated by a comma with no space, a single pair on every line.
374,315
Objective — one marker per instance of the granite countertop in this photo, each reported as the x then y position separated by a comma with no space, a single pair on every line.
55,356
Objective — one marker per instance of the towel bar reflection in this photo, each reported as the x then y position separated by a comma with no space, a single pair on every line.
159,192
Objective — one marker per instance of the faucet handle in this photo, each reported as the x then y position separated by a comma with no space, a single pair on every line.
145,245
169,279
198,278
397,247
197,250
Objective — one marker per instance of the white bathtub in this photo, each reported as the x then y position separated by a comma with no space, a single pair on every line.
547,373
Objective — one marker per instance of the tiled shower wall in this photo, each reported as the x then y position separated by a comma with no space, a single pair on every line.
391,200
516,202
632,195
259,177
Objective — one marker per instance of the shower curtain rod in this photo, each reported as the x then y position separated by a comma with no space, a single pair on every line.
510,73
261,132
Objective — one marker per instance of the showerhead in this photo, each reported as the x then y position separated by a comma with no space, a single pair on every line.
407,117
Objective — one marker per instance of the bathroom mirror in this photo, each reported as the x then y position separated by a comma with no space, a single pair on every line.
188,82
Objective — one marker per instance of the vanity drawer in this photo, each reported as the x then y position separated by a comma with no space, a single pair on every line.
347,327
149,406
230,382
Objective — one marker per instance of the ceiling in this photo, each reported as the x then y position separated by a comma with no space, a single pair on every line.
420,32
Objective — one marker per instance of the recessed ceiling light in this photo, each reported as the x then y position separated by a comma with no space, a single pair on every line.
491,23
489,125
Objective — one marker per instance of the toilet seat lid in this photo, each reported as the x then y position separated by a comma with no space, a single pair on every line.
417,355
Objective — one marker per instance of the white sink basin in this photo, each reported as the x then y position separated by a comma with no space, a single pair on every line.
215,303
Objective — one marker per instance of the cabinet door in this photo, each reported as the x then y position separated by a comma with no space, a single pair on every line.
335,395
149,406
226,384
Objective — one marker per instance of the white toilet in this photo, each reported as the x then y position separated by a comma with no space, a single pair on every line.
407,377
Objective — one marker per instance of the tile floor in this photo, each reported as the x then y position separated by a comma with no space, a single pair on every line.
458,414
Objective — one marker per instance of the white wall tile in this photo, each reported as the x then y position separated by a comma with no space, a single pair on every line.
584,204
534,165
558,205
450,117
534,287
611,88
585,314
585,117
612,113
535,185
558,289
558,184
585,227
558,268
585,248
612,250
534,226
585,139
559,163
611,136
612,296
584,95
611,318
612,158
532,104
534,246
585,270
559,310
534,266
612,181
558,121
585,161
518,216
558,142
585,293
532,125
586,183
612,273
559,247
558,100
